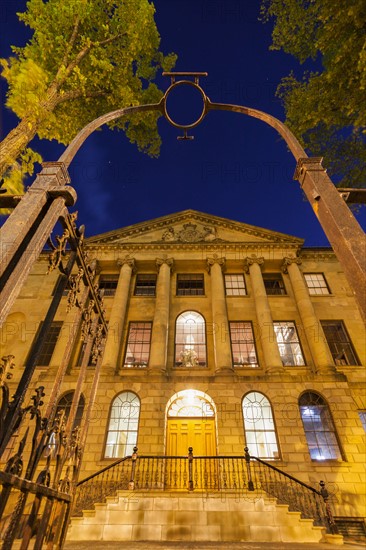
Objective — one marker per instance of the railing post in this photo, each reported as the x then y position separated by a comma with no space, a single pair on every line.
247,460
131,484
331,523
190,469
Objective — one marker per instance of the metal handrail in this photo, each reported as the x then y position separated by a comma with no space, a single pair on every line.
243,474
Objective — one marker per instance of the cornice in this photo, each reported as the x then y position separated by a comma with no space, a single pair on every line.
194,246
166,222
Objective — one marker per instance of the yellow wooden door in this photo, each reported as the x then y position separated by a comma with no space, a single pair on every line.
198,433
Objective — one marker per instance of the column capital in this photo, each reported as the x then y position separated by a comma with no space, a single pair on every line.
252,260
127,260
288,261
161,261
215,260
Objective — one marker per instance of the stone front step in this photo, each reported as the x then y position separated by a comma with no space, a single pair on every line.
192,517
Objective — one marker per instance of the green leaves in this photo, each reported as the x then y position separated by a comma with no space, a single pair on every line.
325,109
85,58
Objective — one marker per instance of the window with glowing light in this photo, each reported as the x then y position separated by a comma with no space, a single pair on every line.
138,345
316,284
190,340
123,425
242,344
260,433
319,428
288,343
190,403
235,285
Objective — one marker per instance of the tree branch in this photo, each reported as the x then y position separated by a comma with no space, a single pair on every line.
80,56
70,96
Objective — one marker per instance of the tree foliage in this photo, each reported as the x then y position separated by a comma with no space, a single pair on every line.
326,109
85,58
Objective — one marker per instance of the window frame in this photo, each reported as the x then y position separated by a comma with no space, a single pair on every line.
180,364
362,416
249,364
194,277
108,430
111,277
140,364
296,342
276,277
264,431
324,286
238,287
320,402
42,352
348,342
137,287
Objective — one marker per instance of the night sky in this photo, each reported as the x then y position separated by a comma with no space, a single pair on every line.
236,167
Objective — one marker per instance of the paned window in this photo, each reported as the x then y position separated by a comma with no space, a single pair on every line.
273,283
138,345
316,283
339,343
260,433
362,415
145,284
64,404
190,285
319,428
123,425
235,285
190,340
242,344
108,283
49,343
288,343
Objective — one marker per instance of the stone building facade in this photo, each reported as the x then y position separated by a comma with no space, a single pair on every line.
221,335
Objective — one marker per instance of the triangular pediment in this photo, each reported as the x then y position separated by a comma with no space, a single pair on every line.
191,226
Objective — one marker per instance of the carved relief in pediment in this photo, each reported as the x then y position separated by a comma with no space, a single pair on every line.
190,233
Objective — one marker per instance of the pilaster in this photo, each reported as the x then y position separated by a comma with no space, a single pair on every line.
118,313
221,334
272,358
322,358
160,329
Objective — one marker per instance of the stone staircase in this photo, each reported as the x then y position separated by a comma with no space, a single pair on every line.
179,516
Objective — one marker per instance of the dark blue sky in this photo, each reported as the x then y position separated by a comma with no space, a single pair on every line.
236,167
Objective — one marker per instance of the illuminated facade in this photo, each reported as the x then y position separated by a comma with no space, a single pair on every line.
221,335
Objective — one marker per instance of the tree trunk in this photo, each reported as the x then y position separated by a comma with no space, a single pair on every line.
15,142
17,139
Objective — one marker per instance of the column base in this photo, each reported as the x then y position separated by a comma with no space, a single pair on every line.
156,371
224,371
276,370
327,370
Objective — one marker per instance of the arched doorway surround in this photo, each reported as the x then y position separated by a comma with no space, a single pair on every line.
190,422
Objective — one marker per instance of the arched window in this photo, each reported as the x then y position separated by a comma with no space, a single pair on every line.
260,433
123,425
64,404
190,340
319,428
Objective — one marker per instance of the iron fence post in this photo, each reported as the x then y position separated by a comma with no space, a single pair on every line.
190,469
131,484
247,460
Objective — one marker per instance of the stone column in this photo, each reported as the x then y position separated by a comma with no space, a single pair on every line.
118,313
221,334
272,358
321,355
160,328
